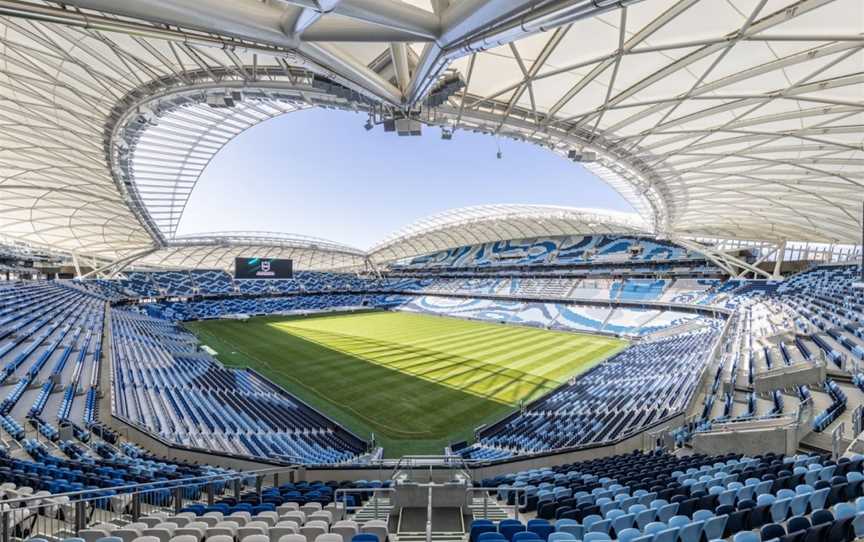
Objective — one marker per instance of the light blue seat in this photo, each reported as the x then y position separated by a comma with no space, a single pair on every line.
801,489
798,504
667,511
727,497
565,521
590,520
859,504
644,517
602,526
746,536
678,521
561,537
667,535
780,510
818,498
575,529
858,524
843,510
714,527
622,522
636,508
702,515
596,537
745,493
627,502
764,487
654,527
765,499
628,535
656,504
692,532
647,498
614,513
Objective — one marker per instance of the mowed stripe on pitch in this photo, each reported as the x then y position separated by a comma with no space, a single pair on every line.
416,381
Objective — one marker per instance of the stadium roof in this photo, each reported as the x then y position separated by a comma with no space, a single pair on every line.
217,251
487,223
739,119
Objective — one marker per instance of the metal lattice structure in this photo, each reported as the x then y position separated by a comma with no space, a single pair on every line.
732,119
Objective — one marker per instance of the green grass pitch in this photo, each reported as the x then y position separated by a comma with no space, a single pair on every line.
416,381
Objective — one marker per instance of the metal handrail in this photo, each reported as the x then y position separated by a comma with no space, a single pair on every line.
836,436
180,483
347,490
429,514
516,505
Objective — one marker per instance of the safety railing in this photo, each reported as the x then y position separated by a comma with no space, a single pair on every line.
429,514
837,437
377,510
58,516
409,464
486,491
857,421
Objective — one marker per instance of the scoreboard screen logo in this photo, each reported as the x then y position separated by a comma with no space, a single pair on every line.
262,268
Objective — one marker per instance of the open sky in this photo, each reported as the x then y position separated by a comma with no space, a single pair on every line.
318,172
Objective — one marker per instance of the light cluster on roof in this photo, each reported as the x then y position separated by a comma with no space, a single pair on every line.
733,119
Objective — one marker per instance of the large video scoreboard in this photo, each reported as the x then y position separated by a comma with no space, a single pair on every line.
263,268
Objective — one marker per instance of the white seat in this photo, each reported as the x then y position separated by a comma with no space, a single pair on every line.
220,531
220,538
240,518
196,533
211,521
217,515
250,530
180,521
257,538
337,509
279,531
346,529
293,538
168,526
376,527
287,507
270,517
228,524
160,533
312,529
146,539
185,538
285,522
297,515
310,507
328,537
322,515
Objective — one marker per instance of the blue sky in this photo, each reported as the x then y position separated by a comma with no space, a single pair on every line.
318,172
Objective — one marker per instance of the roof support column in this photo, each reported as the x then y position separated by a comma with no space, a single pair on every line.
76,265
778,263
